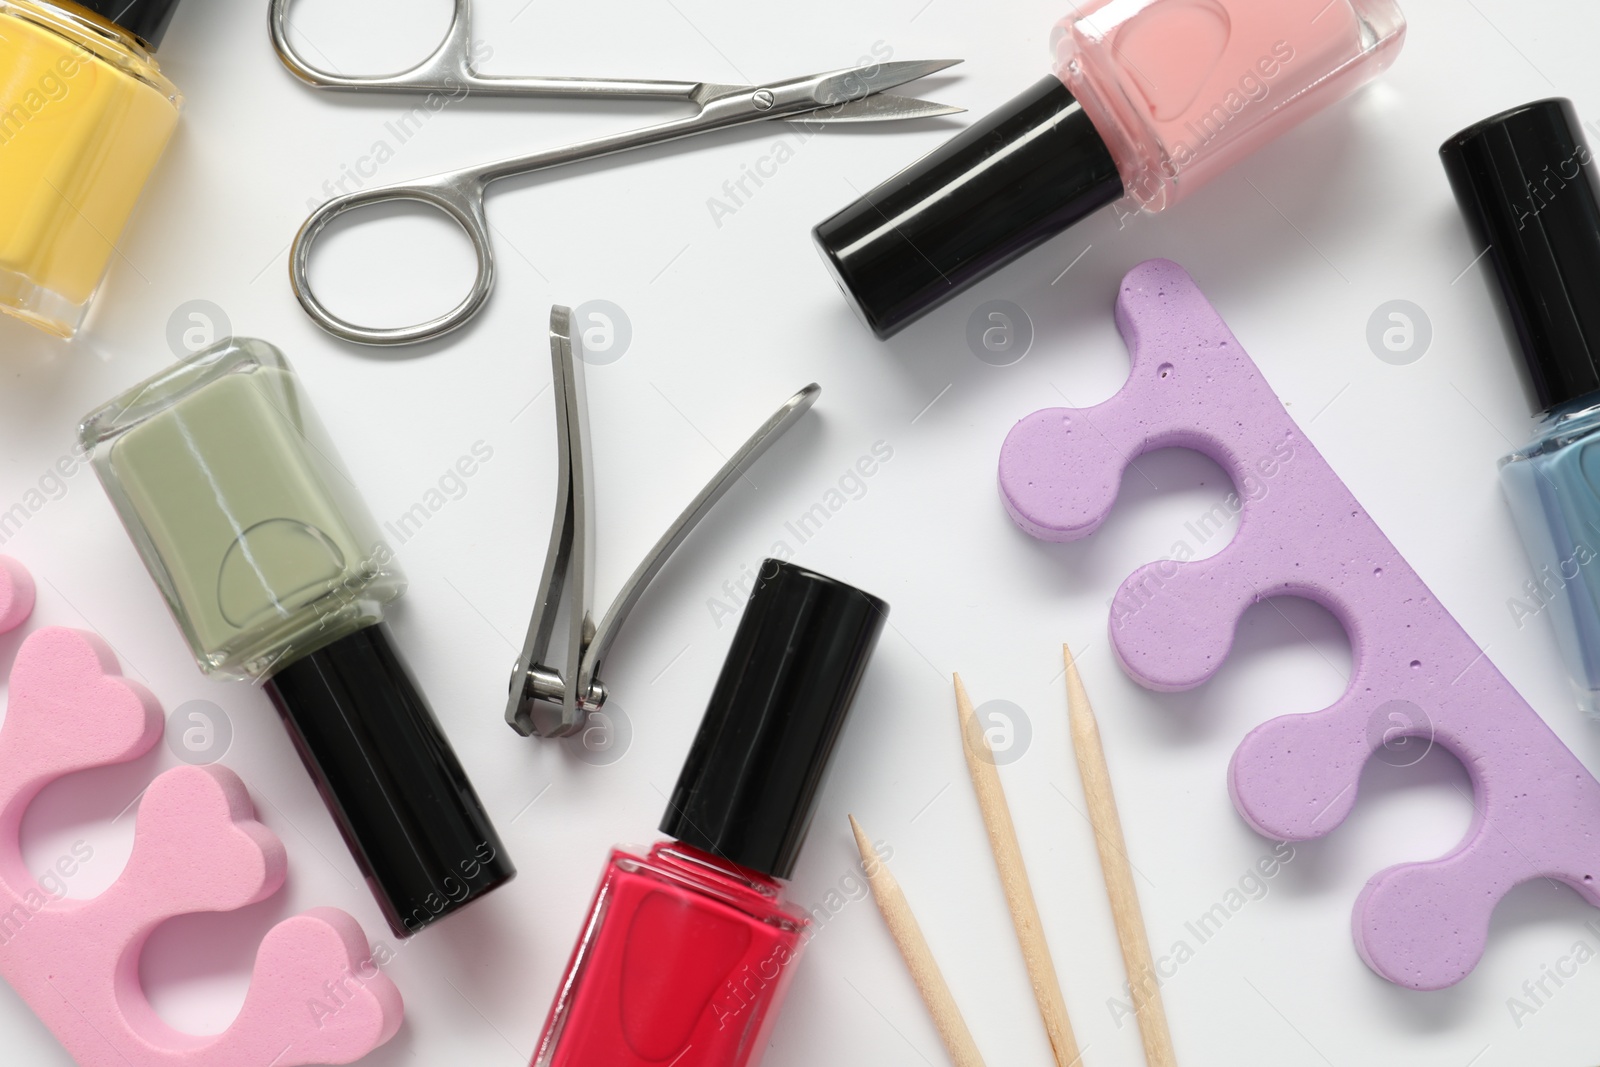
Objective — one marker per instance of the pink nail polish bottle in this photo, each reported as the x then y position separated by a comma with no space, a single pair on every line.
1149,100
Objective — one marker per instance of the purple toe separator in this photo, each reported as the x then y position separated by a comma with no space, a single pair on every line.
1301,533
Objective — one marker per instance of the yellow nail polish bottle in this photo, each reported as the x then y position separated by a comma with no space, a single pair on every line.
85,114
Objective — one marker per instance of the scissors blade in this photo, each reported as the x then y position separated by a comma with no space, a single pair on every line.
856,83
882,107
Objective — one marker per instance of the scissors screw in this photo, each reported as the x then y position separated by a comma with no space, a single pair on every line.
764,100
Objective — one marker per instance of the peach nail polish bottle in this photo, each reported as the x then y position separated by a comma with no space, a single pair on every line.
1149,100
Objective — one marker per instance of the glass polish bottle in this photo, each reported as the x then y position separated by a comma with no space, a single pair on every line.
1530,189
689,946
85,115
273,569
1150,99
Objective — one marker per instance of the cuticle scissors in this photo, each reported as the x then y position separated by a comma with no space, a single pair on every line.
853,94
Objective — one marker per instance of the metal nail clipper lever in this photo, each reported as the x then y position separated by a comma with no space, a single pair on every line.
553,700
855,94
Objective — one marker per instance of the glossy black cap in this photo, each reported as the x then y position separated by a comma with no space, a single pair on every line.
1528,184
750,784
1005,185
388,775
145,19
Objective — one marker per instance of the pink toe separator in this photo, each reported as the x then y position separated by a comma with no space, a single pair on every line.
1418,678
16,594
197,848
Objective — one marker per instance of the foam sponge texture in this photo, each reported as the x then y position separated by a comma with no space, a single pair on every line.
314,995
1301,533
16,594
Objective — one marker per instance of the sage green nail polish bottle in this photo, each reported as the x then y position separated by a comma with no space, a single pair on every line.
229,485
275,571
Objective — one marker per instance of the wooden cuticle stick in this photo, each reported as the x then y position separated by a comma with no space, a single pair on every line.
907,934
1014,879
1118,870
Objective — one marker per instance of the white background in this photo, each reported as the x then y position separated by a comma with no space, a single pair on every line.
1297,248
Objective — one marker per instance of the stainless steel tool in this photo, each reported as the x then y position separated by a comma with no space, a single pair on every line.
553,700
854,94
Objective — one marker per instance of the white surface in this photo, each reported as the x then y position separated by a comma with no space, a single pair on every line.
727,322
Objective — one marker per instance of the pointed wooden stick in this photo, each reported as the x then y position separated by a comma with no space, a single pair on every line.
1118,871
1014,879
914,948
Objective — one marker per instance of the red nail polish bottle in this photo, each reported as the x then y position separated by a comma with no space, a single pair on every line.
689,947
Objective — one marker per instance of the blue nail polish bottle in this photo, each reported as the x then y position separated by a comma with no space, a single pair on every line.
1530,189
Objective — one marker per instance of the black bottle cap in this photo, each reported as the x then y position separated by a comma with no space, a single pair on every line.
145,19
1528,185
391,780
750,783
1001,187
